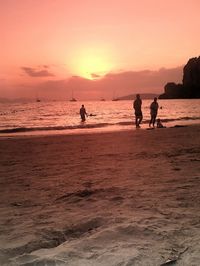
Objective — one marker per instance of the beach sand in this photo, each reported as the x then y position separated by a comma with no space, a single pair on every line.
115,199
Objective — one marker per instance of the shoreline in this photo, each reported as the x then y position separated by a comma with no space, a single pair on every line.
91,131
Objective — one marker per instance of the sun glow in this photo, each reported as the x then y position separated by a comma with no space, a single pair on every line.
92,66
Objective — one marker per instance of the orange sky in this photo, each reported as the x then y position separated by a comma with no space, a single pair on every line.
44,43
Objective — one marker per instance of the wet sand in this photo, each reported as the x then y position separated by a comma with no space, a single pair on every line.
113,199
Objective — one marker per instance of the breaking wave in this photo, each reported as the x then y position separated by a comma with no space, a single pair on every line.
86,126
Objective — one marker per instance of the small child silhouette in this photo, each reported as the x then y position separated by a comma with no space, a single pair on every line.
159,124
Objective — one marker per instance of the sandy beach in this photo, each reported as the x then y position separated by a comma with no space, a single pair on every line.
112,199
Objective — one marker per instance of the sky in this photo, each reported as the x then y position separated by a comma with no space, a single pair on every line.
94,48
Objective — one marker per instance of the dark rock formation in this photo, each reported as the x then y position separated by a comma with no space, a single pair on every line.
191,83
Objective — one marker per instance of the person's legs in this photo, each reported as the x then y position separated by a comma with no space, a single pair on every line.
82,118
140,119
151,120
136,121
154,120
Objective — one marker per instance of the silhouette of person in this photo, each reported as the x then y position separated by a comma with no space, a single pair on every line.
137,105
83,113
159,124
153,111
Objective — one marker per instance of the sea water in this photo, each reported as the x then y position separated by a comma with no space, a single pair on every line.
46,117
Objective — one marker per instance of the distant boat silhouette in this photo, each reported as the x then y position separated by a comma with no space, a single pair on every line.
37,99
114,97
102,99
72,98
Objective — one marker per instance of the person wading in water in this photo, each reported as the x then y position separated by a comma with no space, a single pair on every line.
83,113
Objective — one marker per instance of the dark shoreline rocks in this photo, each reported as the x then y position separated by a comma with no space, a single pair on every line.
190,88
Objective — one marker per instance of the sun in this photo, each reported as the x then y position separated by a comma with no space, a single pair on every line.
92,66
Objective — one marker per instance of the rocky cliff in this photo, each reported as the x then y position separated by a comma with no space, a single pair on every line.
190,88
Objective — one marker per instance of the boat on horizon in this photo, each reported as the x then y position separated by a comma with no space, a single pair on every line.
114,99
72,97
73,100
37,99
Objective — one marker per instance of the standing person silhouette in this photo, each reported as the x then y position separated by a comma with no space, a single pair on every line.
153,112
137,105
83,113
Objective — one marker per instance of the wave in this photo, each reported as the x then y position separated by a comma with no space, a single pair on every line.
165,120
185,118
28,129
87,126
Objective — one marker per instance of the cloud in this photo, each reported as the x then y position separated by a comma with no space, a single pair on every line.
144,79
120,84
113,84
37,73
95,76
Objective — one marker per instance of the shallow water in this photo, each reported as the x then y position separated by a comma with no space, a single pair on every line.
46,117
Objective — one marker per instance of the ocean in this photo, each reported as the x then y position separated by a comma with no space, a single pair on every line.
48,117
